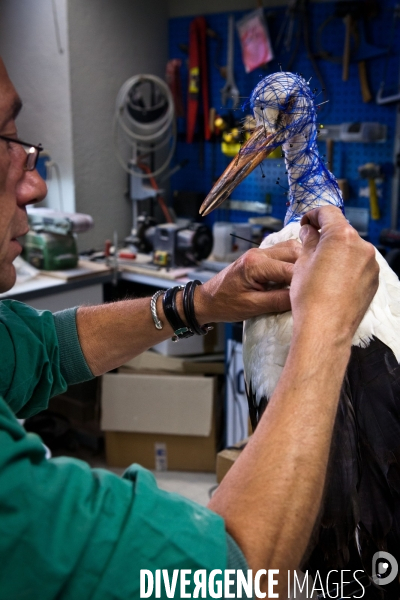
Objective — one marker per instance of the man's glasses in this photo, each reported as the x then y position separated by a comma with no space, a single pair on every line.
32,152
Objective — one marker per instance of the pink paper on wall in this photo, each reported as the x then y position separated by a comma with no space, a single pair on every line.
255,41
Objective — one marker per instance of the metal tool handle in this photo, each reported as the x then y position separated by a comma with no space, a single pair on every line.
346,50
230,89
231,33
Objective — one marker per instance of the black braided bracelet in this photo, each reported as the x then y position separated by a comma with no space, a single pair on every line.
188,304
188,307
172,315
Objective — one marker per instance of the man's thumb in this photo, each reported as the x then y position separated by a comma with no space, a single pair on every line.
309,236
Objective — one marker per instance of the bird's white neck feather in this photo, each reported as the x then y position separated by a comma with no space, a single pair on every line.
266,339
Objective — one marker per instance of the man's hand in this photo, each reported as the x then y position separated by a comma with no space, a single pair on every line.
245,288
335,277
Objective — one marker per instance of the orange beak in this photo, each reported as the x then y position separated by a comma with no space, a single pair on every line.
252,153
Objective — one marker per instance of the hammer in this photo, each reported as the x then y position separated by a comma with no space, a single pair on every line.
372,171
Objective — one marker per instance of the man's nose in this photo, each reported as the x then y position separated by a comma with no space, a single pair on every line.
31,188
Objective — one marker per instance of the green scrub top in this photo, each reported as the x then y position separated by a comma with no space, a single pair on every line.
67,531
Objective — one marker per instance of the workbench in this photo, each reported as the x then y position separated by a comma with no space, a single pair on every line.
48,293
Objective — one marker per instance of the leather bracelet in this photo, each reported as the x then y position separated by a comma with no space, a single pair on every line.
188,296
181,331
188,307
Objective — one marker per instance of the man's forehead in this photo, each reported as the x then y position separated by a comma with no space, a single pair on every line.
10,102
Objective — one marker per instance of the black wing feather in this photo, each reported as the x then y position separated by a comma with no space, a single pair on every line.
361,507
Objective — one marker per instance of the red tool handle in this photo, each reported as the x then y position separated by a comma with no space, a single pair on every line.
198,78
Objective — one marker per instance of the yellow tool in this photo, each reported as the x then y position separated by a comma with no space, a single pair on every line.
161,258
372,171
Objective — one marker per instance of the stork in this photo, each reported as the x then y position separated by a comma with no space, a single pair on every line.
360,514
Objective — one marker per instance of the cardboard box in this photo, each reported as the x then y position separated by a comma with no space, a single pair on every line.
227,457
151,361
160,421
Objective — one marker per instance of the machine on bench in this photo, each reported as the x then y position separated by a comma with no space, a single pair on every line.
173,245
50,244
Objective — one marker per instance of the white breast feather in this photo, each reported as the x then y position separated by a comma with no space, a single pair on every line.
266,339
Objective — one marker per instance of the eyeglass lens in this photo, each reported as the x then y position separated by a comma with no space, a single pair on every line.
32,155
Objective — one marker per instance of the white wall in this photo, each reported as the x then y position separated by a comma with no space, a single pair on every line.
110,41
29,48
69,97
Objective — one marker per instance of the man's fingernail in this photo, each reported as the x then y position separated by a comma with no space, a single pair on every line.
304,220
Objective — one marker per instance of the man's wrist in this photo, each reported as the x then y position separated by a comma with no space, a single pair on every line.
322,349
201,304
331,328
201,307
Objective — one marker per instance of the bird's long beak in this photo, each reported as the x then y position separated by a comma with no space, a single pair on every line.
252,153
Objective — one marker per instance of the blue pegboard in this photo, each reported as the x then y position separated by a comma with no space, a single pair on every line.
41,166
206,162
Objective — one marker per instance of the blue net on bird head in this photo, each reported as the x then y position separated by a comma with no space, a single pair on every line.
284,105
285,114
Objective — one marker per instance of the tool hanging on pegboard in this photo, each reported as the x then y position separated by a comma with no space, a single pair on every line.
372,172
198,79
296,26
173,78
230,89
389,98
362,50
356,49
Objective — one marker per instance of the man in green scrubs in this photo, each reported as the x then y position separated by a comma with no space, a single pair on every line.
70,532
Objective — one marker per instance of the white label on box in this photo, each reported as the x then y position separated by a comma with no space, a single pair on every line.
160,457
237,410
